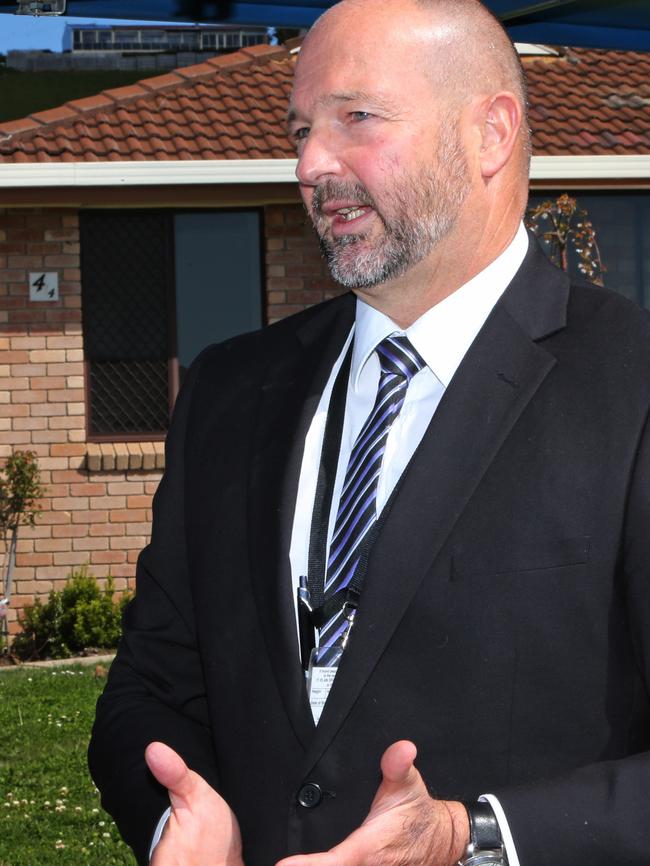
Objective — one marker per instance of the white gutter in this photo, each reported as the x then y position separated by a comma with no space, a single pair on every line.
613,167
256,171
146,173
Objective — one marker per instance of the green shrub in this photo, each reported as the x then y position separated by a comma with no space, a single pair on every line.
80,616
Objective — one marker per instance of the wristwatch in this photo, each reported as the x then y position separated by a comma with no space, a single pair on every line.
485,843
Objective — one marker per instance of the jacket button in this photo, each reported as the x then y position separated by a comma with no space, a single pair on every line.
310,795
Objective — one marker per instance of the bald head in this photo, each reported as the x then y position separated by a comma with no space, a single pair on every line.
463,48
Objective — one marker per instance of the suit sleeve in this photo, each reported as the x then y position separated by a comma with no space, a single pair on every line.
155,689
600,814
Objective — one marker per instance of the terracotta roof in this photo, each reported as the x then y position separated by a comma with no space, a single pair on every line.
230,107
590,102
233,107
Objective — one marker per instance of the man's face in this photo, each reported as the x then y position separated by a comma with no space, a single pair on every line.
381,167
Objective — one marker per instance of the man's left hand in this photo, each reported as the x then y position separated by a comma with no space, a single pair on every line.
405,826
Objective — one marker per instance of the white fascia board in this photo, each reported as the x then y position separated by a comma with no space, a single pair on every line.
249,171
586,168
528,49
147,173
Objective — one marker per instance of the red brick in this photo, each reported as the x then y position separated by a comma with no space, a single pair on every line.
107,557
68,450
65,422
107,529
61,261
125,487
127,514
70,531
48,410
64,342
70,558
55,518
61,476
66,395
143,528
90,517
47,382
89,543
30,397
29,423
13,411
28,369
50,435
34,559
15,357
128,543
138,501
87,489
28,262
53,544
70,503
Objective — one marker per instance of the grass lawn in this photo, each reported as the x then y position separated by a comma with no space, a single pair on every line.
49,808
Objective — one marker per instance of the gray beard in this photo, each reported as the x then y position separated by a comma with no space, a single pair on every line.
424,213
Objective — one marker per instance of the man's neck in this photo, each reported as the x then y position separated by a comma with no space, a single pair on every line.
451,265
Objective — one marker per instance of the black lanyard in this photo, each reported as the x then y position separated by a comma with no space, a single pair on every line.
313,610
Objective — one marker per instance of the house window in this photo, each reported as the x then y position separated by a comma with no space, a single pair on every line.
157,288
622,224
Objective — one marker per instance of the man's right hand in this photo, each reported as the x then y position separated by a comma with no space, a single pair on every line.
202,829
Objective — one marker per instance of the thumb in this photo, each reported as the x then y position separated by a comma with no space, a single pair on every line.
400,779
171,771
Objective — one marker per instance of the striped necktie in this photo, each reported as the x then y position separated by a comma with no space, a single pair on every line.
357,510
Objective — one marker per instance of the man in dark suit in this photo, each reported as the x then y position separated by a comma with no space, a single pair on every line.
503,621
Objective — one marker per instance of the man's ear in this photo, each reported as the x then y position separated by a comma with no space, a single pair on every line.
500,124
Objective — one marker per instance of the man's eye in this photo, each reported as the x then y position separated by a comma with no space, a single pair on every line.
300,134
360,115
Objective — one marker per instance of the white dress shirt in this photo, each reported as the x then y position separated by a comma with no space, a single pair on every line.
442,336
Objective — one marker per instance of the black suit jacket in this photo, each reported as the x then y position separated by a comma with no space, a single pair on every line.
505,622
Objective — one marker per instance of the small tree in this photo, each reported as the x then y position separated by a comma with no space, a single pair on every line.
20,488
563,225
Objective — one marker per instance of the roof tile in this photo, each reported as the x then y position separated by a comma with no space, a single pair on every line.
54,115
119,94
90,103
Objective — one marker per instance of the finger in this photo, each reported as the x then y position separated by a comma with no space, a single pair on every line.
397,763
169,769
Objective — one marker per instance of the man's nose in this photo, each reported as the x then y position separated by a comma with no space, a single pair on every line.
320,157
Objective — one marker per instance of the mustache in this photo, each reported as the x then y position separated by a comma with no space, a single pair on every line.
332,190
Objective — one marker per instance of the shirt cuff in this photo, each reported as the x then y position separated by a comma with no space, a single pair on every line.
502,821
160,826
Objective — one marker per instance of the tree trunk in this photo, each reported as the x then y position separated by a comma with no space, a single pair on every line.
10,564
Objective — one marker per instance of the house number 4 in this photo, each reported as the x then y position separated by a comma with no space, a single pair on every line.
44,287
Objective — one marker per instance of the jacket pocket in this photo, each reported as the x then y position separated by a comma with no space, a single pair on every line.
533,555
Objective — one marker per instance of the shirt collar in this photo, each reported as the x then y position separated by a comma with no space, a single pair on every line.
444,333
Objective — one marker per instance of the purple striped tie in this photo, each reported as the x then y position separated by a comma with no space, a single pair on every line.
357,511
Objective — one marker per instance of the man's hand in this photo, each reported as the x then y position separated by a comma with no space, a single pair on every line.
202,829
405,826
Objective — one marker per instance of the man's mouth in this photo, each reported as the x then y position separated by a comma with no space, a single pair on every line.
351,213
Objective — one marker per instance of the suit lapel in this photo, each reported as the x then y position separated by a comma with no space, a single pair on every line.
290,396
498,377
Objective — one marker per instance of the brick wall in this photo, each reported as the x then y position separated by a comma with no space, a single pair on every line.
100,518
296,273
97,505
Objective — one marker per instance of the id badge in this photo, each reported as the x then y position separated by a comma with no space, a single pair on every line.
319,683
320,677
